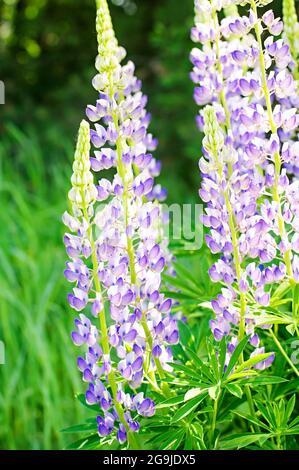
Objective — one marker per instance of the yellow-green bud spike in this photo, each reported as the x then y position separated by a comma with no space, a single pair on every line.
109,52
83,192
214,140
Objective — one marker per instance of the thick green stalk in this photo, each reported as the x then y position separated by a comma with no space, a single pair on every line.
214,420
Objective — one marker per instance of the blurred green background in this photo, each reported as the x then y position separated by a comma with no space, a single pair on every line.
47,52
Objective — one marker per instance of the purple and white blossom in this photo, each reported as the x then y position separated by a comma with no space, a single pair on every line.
116,248
247,182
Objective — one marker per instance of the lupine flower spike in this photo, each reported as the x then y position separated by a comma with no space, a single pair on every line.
116,250
250,158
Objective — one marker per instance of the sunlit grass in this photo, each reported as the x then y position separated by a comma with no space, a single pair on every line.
40,378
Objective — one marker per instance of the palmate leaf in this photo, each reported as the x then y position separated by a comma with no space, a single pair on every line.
167,440
234,389
280,292
250,362
183,286
200,365
213,360
187,408
173,401
293,431
289,410
222,354
287,388
186,274
267,413
185,296
214,392
241,375
88,426
89,443
186,335
273,318
262,380
187,370
238,441
295,422
194,392
235,356
251,419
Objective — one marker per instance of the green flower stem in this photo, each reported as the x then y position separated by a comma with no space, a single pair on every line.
277,158
281,349
214,420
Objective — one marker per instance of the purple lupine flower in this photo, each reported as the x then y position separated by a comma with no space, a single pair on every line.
251,199
117,252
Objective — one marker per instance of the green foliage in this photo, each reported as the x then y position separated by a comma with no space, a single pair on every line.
40,376
47,52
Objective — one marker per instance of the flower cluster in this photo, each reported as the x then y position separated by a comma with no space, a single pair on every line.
117,252
250,123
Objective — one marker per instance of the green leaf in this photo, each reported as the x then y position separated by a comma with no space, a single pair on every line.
222,354
214,392
293,431
291,329
213,359
187,408
280,292
181,296
234,389
273,320
250,418
193,392
171,402
85,427
187,370
235,356
294,422
252,361
200,365
262,380
237,441
180,284
185,273
289,409
267,413
88,443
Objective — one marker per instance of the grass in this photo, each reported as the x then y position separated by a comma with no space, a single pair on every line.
39,378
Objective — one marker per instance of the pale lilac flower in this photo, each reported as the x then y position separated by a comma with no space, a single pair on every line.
117,248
